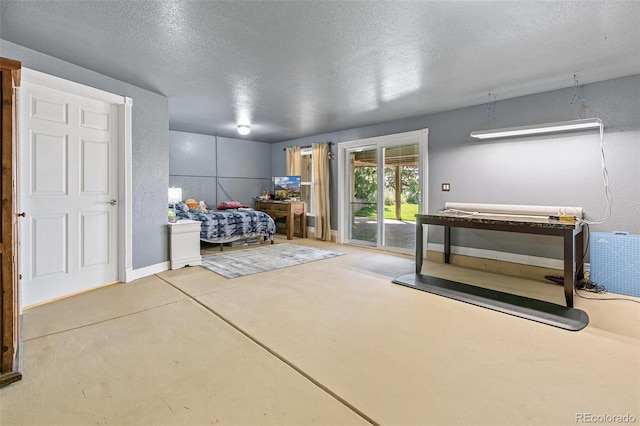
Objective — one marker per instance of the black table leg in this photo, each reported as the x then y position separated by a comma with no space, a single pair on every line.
579,250
569,267
447,244
419,248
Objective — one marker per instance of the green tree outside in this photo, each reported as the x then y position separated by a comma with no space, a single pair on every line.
365,180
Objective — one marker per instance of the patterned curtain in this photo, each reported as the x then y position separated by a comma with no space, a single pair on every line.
294,158
321,173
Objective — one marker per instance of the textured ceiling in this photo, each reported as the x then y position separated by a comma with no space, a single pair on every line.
293,69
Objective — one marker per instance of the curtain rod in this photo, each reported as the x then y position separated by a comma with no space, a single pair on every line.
306,146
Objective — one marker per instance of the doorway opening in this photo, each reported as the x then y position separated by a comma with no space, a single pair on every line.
74,187
382,188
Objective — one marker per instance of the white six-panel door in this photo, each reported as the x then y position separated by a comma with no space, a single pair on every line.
68,189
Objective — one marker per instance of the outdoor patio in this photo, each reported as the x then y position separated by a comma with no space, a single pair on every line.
398,233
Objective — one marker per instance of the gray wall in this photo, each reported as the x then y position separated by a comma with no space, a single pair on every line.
563,169
216,169
552,170
192,165
150,154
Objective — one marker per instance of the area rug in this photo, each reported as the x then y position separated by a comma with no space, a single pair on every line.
239,263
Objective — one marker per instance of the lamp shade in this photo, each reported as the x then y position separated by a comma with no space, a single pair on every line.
175,195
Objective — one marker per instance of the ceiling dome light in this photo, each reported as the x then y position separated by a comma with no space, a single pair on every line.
244,129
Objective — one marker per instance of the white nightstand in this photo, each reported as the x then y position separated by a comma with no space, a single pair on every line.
184,243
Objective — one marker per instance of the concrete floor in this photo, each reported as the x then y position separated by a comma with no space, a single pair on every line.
332,342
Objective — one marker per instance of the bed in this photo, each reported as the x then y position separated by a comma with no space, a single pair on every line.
226,226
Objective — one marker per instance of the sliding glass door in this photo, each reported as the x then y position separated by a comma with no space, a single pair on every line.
363,195
383,190
401,196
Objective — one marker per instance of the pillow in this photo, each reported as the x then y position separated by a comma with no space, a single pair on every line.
191,203
226,205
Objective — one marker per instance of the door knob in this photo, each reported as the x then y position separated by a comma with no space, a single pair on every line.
112,202
23,214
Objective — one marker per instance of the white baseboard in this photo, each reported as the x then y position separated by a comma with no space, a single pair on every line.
134,274
522,259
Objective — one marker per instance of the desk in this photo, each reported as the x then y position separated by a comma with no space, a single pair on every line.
571,233
288,210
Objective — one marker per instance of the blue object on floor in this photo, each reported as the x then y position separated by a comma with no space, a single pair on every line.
615,262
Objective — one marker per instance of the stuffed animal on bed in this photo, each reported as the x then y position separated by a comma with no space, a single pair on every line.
191,203
195,206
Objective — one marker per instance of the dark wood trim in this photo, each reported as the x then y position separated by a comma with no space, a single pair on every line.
9,317
10,64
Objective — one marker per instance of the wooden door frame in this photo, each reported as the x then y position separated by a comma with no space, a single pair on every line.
10,344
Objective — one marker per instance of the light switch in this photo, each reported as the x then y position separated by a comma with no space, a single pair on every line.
446,187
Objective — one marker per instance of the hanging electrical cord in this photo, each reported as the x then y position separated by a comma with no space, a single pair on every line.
586,284
607,190
576,97
604,298
605,173
491,109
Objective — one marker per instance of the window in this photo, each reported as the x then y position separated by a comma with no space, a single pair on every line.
306,175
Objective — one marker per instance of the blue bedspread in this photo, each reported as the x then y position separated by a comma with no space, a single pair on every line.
231,223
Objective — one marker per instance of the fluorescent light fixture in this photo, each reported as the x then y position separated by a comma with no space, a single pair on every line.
244,129
537,129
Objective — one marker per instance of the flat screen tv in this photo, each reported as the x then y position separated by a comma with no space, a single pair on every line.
287,187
